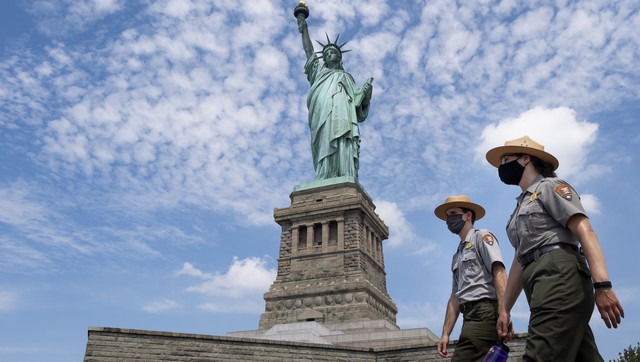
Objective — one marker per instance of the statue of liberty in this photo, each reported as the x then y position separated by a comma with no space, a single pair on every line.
336,106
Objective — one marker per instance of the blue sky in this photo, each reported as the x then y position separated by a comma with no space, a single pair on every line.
145,144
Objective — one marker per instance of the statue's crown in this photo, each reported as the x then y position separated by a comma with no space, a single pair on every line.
332,45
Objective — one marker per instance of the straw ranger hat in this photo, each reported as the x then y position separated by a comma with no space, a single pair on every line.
459,201
521,145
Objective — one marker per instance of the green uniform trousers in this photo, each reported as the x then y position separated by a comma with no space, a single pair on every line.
560,294
478,332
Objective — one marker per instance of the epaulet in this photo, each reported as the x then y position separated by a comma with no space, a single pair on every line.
551,180
550,183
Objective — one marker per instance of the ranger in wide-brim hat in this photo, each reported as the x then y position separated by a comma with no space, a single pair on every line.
523,145
555,249
478,279
462,201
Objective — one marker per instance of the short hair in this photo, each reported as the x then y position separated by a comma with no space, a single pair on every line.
473,214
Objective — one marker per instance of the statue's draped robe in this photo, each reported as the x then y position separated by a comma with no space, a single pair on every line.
335,108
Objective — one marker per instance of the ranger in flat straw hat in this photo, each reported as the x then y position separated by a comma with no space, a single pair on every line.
547,228
479,280
462,201
522,145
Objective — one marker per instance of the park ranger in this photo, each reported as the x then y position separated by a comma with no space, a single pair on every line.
546,229
479,280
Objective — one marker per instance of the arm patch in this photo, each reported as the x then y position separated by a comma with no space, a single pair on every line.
565,192
488,238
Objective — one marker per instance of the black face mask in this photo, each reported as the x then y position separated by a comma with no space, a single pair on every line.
455,223
511,172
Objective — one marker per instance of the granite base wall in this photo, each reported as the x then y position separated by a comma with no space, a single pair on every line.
117,344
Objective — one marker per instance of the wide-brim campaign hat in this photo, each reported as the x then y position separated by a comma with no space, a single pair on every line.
521,145
459,201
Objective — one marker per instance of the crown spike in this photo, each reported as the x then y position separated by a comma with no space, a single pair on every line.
332,44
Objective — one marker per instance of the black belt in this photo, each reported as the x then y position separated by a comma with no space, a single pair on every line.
468,305
528,258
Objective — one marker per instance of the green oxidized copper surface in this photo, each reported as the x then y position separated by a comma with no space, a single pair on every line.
336,106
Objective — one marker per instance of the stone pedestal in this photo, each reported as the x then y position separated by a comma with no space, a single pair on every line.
331,265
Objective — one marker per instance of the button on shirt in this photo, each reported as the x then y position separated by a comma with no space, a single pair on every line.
541,215
471,266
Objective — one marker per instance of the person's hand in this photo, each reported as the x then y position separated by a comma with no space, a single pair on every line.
442,346
609,307
505,327
302,24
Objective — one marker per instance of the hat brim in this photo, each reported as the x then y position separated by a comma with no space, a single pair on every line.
441,210
494,156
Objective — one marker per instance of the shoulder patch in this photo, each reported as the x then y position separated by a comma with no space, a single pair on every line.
488,238
565,192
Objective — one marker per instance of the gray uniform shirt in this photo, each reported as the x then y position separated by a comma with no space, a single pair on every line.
471,266
541,215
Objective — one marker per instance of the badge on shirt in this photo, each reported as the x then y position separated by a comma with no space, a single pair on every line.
533,196
565,192
468,245
488,238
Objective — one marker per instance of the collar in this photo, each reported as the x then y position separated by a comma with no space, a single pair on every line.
532,188
468,237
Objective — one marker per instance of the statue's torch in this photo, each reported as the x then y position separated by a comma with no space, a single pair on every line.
301,10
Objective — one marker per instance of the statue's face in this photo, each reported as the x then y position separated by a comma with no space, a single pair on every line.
331,56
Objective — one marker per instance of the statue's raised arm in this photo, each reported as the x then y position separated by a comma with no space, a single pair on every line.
306,40
336,106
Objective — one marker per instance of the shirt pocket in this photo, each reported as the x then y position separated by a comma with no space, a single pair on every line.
533,218
470,266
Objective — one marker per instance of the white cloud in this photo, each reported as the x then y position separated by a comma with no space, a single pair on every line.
238,290
590,203
248,276
161,305
17,255
375,47
556,129
175,8
209,111
62,17
532,24
17,206
426,249
189,269
36,236
373,11
399,228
